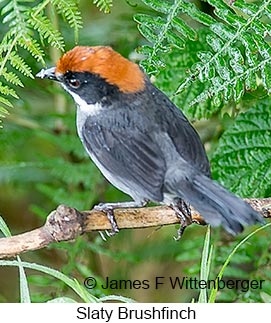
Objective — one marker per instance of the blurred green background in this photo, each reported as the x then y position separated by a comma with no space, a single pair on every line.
42,164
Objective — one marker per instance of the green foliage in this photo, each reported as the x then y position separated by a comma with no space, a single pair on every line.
82,292
24,290
4,228
72,283
176,63
104,5
46,29
22,18
162,31
236,252
242,160
207,252
237,54
69,10
23,173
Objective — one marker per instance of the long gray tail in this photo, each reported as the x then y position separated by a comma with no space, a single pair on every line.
217,205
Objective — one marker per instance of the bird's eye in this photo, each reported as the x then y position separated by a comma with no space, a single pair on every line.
74,83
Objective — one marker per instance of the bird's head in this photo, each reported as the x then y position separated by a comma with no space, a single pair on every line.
93,72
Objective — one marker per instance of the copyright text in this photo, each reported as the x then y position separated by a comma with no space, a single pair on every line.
186,283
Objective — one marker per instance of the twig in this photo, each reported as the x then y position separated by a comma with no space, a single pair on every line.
66,223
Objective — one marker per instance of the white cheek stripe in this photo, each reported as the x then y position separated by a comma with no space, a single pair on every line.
84,110
89,109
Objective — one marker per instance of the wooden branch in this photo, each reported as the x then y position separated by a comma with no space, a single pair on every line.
66,223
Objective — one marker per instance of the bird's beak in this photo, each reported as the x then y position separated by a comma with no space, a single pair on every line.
48,73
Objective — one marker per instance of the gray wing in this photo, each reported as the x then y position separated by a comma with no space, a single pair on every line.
133,160
184,137
189,145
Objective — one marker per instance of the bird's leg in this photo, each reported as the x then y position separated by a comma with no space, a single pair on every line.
183,212
108,209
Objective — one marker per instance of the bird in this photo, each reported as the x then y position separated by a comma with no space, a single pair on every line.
141,142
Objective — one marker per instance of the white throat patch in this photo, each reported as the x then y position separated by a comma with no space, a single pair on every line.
87,109
84,110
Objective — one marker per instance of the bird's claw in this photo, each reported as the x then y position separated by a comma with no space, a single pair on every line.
179,233
109,211
100,207
183,212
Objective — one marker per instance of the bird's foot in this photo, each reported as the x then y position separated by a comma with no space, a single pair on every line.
183,212
180,232
109,211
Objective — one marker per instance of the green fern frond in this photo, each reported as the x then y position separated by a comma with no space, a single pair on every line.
33,47
243,157
46,29
176,62
238,55
6,90
162,31
3,112
104,5
11,78
69,10
14,13
19,64
21,18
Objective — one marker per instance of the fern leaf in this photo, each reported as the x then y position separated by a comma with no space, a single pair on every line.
159,32
266,77
167,30
14,14
177,62
191,10
6,102
19,64
8,12
22,18
232,68
6,90
242,159
159,6
11,78
238,51
46,29
33,47
69,10
184,29
3,111
104,5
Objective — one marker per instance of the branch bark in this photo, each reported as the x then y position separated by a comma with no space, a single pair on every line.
66,223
